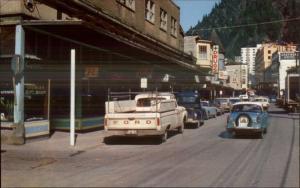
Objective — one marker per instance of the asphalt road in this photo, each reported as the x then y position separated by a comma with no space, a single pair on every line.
207,156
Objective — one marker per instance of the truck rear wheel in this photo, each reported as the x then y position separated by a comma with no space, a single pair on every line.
164,137
197,125
180,129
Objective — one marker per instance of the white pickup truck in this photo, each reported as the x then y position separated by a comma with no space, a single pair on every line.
147,114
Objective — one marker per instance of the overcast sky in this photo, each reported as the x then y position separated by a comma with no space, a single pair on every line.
191,11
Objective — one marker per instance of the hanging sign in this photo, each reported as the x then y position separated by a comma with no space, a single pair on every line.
215,63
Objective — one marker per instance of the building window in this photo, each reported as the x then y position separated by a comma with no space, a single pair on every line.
163,19
173,27
203,52
269,51
150,11
130,4
269,57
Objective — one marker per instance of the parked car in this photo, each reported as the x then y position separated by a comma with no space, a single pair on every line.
223,103
263,100
248,117
210,111
244,97
273,98
234,100
191,101
220,109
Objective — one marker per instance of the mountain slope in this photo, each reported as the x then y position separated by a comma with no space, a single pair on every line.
243,14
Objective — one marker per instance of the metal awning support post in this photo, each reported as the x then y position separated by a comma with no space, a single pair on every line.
72,105
17,65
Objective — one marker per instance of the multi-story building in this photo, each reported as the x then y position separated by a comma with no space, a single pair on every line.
281,62
263,58
200,49
248,55
117,42
237,74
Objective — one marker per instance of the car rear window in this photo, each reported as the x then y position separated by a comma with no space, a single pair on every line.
246,108
147,102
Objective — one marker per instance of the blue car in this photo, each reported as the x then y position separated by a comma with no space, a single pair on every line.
248,117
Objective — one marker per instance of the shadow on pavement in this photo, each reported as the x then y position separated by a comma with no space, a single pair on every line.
191,126
227,135
143,140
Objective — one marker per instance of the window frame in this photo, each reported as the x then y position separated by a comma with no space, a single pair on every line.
174,27
201,55
150,9
129,4
163,20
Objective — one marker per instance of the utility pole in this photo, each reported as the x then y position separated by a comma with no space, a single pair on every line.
17,65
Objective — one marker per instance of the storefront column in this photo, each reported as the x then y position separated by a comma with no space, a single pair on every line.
18,66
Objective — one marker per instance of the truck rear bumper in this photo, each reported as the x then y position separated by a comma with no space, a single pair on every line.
135,132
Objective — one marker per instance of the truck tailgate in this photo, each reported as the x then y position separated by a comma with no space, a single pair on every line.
131,121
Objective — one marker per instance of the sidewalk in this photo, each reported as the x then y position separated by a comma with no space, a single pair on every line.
58,142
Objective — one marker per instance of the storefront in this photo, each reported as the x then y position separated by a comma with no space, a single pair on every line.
99,66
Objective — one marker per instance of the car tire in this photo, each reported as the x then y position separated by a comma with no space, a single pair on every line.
265,130
261,134
243,114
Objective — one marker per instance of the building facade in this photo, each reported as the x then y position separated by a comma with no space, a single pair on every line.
117,42
200,49
248,55
281,62
263,58
237,76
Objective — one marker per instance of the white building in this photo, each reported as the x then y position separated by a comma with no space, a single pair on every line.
281,62
248,55
237,74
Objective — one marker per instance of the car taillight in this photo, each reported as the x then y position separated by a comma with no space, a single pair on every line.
157,121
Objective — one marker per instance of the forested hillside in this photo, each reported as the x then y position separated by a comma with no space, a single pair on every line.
241,23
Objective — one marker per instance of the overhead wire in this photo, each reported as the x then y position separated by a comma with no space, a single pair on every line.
246,25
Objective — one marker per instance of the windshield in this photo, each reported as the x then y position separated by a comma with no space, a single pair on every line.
246,108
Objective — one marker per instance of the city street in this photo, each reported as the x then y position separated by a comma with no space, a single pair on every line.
207,156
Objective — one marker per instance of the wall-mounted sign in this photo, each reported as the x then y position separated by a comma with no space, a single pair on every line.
91,71
215,59
287,55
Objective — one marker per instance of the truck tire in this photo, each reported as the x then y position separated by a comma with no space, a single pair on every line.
164,137
197,125
181,129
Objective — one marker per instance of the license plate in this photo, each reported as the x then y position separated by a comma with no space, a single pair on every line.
131,132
